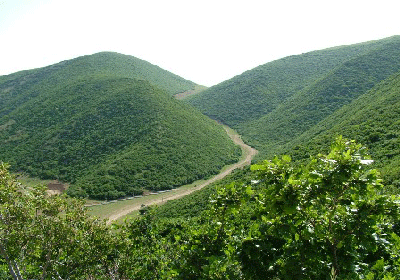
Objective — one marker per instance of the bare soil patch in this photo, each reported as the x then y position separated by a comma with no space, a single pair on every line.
56,187
185,94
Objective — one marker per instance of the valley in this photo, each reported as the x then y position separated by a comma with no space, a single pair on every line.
289,170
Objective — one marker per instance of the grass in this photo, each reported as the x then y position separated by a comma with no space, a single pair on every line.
31,181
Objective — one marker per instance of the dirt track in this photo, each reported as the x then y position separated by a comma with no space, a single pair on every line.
246,150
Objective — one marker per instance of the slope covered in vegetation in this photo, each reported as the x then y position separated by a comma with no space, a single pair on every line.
276,102
18,88
373,119
311,105
108,135
326,219
257,92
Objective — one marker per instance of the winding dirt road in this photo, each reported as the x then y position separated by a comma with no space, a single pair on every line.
248,151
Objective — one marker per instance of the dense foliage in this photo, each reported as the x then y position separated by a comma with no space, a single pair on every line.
372,119
327,219
322,98
299,97
109,136
19,87
259,91
192,205
324,220
50,237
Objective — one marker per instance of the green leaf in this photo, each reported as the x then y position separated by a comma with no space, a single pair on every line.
286,158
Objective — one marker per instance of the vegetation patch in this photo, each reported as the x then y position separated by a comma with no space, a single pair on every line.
106,133
325,219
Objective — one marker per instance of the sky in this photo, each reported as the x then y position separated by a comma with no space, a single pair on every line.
205,41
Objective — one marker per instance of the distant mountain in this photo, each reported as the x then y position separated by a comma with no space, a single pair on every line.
274,103
108,124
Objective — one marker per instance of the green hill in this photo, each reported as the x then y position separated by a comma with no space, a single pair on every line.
274,103
307,107
108,134
259,91
373,119
19,87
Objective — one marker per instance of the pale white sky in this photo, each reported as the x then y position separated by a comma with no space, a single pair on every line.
206,41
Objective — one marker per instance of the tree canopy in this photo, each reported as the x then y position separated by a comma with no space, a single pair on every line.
326,219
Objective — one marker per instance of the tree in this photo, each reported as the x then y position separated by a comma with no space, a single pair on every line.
328,219
44,236
328,216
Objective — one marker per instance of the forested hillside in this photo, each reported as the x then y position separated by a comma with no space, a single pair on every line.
100,64
84,122
373,119
325,219
307,107
279,106
257,92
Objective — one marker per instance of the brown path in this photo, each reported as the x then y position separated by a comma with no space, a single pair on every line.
248,151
